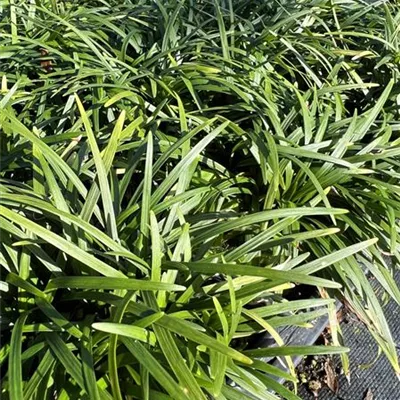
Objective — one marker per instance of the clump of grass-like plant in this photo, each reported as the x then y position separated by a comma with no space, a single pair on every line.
167,165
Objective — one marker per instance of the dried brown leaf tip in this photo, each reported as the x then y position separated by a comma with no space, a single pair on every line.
369,395
331,376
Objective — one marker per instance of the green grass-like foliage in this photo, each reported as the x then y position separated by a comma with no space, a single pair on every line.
170,170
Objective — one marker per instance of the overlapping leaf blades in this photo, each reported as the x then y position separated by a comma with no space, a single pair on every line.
180,163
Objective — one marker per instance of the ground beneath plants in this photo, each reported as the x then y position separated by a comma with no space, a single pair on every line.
372,377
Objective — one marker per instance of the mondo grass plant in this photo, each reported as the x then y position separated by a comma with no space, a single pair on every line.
170,173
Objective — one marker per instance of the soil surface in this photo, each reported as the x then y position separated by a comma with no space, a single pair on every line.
371,375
